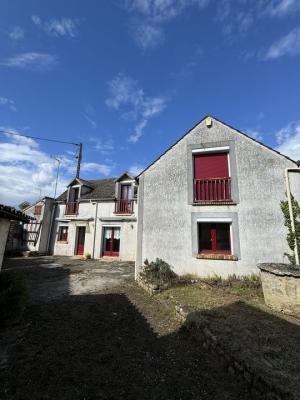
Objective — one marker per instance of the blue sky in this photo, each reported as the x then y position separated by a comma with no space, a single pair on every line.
129,77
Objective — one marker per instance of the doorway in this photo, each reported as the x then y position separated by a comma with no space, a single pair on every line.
80,241
111,241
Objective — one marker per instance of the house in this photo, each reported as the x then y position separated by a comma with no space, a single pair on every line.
211,203
8,214
98,218
36,234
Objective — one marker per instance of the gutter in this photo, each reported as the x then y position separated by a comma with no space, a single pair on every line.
289,197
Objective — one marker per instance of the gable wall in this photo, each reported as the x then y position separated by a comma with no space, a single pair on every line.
166,229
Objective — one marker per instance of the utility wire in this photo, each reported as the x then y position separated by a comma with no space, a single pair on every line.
39,138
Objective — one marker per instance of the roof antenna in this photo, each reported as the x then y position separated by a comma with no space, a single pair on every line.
79,158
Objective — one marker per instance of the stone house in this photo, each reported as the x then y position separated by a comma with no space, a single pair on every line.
97,217
210,204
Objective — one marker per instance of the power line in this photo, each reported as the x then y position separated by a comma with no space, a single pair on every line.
39,138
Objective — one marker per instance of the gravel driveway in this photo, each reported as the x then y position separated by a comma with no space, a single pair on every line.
53,276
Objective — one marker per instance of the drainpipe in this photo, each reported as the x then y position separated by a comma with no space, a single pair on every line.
94,241
50,227
289,197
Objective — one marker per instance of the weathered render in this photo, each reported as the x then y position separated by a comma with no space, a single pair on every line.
167,225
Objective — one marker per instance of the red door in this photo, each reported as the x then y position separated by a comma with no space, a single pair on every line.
80,241
111,242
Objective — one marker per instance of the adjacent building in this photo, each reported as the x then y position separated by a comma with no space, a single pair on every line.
97,218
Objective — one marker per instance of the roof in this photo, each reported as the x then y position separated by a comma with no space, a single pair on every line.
10,213
36,202
103,189
229,126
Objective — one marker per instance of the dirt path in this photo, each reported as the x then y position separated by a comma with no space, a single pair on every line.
114,344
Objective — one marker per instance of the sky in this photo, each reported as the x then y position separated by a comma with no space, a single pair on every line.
127,78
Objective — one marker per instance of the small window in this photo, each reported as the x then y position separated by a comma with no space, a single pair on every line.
63,233
38,210
214,238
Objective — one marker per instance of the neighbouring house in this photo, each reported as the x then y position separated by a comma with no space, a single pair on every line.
98,218
35,235
8,214
211,203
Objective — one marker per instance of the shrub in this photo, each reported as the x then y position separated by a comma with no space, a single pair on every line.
292,237
158,271
13,297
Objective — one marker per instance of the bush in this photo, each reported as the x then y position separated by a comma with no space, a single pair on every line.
13,297
158,271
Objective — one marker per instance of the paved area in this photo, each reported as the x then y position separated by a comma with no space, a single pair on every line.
53,276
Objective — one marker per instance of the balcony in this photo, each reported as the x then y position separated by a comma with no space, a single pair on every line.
123,206
72,208
215,190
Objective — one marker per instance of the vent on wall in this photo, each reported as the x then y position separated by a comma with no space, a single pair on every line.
208,122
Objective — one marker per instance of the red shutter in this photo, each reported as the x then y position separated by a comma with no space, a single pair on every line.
211,165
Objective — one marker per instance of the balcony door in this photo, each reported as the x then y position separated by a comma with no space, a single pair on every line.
111,241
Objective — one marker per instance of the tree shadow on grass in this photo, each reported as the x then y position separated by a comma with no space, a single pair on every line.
102,347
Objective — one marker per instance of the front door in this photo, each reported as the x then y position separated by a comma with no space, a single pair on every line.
80,240
111,242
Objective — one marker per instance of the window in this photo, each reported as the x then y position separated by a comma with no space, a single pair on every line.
38,210
214,238
211,177
63,233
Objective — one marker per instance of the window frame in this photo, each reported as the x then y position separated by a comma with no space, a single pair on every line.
62,237
213,238
214,147
38,210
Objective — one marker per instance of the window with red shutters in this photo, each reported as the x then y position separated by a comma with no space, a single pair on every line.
211,177
214,238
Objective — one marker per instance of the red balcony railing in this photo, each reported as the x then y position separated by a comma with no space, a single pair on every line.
215,189
71,208
124,206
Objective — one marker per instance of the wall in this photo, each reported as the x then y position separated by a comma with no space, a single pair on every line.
4,228
165,213
94,234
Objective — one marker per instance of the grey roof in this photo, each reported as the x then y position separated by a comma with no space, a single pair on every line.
11,213
103,189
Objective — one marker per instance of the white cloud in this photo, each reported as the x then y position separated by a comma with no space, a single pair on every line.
148,36
126,96
281,8
31,60
103,169
288,45
17,33
135,169
152,14
4,101
90,120
288,139
57,26
103,146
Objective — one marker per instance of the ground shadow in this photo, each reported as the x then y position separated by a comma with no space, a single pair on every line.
266,342
101,347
